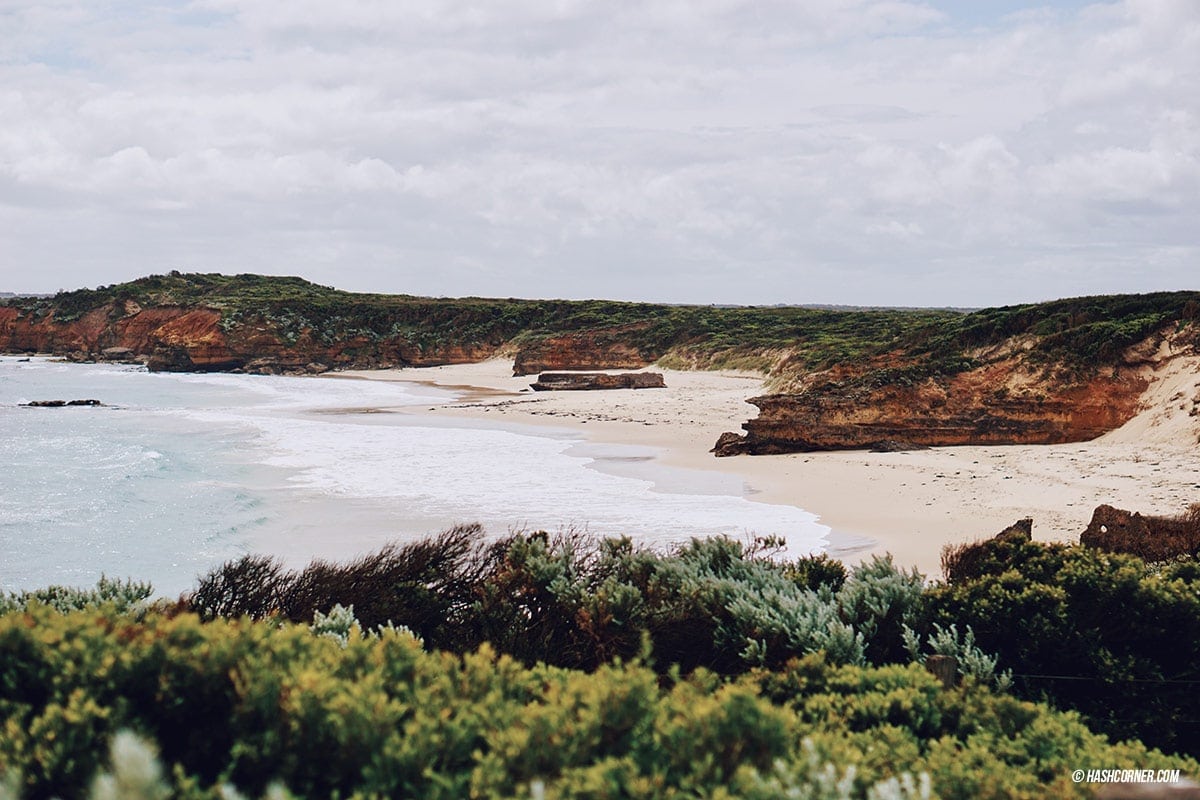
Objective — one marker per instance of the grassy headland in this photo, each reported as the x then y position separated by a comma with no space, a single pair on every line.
872,347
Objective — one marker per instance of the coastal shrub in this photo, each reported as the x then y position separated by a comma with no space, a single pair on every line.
971,661
253,704
1107,634
337,624
250,586
712,603
814,572
136,773
880,600
1013,545
422,585
123,596
712,606
575,601
971,741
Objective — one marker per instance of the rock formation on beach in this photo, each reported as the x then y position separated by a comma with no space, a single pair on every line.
583,381
1150,537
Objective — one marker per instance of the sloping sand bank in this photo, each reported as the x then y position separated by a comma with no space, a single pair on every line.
910,503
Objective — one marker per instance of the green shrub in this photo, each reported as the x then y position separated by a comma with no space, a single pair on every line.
252,704
421,585
578,602
124,596
814,572
1103,633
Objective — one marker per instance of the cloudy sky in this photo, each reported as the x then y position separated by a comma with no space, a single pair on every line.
944,152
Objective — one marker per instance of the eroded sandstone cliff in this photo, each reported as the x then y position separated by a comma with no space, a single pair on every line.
1009,400
608,348
180,339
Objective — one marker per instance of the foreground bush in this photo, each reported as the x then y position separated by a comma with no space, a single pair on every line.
123,596
578,602
424,585
1107,634
250,703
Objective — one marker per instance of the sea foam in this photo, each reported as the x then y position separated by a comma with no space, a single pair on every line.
180,472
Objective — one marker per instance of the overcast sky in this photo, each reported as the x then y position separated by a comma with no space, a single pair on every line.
946,152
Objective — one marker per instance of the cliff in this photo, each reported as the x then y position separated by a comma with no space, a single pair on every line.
263,324
976,407
1059,372
1063,371
608,348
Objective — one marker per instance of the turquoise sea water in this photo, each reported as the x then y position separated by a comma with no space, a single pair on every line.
177,473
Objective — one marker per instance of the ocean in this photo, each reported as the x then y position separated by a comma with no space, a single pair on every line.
177,473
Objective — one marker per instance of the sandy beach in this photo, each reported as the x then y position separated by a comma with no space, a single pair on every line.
909,504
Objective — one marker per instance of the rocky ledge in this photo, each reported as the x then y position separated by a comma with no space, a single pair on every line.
976,408
583,381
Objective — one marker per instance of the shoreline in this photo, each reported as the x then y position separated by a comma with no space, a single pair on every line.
909,504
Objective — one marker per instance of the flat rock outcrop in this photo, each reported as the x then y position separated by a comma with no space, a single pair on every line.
121,354
586,381
60,403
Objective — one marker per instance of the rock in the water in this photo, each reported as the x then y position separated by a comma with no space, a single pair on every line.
116,354
262,366
170,359
61,403
580,381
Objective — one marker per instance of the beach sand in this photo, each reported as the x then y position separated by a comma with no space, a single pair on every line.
909,504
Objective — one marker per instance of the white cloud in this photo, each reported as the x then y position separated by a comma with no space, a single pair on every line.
713,151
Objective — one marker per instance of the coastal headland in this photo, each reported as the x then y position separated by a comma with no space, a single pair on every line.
903,429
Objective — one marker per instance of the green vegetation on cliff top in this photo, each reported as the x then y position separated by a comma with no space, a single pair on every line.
1088,332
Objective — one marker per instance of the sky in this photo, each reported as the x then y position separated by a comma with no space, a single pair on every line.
862,152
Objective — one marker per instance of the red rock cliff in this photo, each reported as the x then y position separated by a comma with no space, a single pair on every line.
606,348
173,338
997,404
